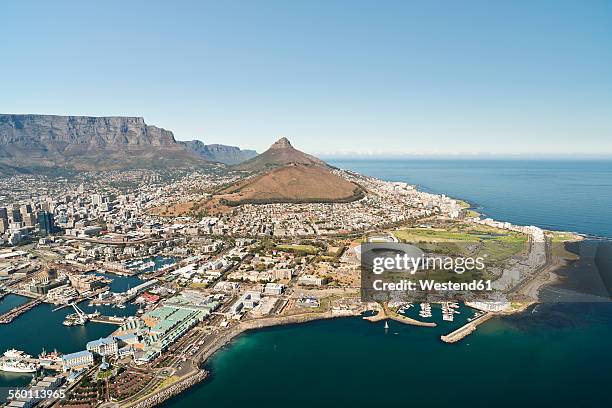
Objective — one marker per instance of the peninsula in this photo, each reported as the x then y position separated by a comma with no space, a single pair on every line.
220,251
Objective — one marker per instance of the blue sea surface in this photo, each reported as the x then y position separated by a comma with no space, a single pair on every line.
568,195
556,354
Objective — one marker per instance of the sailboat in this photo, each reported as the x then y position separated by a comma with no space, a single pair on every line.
386,325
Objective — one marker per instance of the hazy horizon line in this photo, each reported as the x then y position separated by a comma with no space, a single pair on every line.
464,156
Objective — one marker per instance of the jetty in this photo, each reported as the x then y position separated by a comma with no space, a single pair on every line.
118,321
12,314
466,329
385,313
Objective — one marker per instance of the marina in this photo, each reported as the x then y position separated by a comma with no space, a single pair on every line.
150,264
425,311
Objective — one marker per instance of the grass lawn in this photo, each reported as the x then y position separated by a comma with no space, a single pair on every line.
495,243
104,374
558,245
307,249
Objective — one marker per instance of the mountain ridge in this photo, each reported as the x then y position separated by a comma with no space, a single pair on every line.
36,142
218,152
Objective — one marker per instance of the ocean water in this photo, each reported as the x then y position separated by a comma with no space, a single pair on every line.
41,328
557,354
568,195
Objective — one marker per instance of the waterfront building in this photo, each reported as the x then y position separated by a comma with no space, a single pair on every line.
248,300
62,294
490,305
43,287
38,390
77,361
161,327
85,283
103,347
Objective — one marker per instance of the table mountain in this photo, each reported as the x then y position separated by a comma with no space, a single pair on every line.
220,153
41,142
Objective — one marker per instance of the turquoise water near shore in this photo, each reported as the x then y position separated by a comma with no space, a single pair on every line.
551,358
557,354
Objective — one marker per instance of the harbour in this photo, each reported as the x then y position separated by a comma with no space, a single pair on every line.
503,349
23,333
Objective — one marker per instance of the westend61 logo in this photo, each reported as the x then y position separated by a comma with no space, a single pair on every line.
392,270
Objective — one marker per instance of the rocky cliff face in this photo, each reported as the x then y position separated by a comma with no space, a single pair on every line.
83,130
89,143
220,153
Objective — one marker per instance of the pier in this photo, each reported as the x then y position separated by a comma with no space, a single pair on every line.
118,321
386,313
12,314
466,329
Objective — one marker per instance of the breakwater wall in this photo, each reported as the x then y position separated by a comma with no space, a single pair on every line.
171,391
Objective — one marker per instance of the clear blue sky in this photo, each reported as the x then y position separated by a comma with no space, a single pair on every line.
450,77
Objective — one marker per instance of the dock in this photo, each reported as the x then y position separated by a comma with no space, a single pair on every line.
118,321
466,329
12,314
386,313
37,362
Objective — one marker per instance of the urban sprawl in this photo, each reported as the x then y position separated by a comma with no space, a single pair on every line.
204,276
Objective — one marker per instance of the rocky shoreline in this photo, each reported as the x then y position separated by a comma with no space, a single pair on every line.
171,391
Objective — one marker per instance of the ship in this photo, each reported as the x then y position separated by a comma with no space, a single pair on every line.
79,318
135,263
16,354
75,319
146,265
15,366
49,359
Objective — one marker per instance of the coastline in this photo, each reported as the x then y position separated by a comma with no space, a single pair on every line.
200,373
546,276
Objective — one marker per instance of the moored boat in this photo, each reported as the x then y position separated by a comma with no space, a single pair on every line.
14,366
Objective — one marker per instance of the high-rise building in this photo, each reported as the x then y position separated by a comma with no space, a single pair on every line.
46,223
15,215
26,209
98,199
29,219
3,220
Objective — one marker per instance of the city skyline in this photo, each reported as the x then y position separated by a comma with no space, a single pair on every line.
338,79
